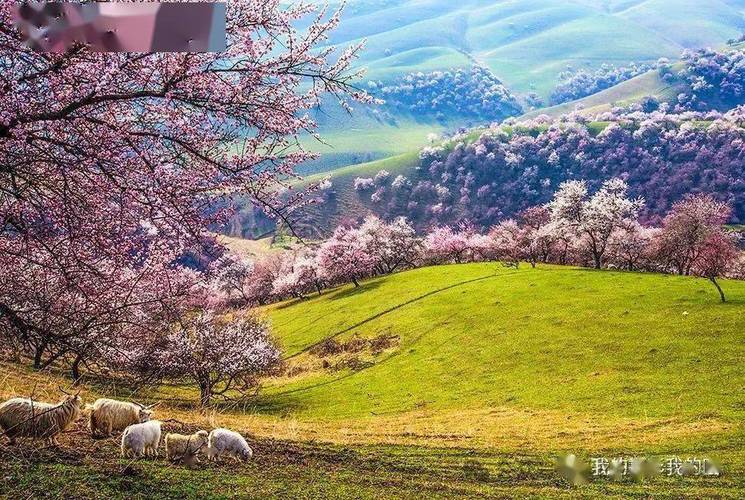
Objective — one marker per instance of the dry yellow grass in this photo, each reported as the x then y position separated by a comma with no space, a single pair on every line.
505,428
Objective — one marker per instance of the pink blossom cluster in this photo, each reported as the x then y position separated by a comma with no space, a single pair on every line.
115,166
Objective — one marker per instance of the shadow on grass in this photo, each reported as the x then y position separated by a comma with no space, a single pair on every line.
334,294
356,290
394,308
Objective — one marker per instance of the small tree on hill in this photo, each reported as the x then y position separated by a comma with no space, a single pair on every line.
218,355
344,257
685,229
716,257
392,245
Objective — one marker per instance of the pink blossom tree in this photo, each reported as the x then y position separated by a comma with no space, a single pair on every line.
344,257
443,244
302,275
631,246
593,220
686,228
114,165
219,355
392,245
259,285
538,236
509,242
229,283
717,255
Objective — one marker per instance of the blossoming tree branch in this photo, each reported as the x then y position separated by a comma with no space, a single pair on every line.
114,165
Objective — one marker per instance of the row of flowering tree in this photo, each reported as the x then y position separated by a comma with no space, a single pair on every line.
600,230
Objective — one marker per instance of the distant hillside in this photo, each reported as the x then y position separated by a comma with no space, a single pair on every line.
623,94
488,175
528,43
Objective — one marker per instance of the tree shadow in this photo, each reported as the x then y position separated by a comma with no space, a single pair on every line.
395,308
356,290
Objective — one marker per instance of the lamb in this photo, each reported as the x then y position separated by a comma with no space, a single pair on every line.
21,417
108,415
181,447
141,439
227,442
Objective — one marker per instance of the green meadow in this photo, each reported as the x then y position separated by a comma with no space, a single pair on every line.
455,381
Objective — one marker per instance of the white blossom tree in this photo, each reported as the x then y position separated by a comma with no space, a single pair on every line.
593,220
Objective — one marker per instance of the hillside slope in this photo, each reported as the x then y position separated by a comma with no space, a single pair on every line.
527,43
452,382
552,357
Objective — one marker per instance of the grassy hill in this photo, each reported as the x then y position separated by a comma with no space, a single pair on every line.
552,342
527,43
451,381
623,94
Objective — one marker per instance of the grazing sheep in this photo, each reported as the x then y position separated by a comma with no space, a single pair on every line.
226,442
141,439
21,417
108,415
181,447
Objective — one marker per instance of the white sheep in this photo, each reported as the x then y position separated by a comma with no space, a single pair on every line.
108,415
141,439
21,417
182,447
227,442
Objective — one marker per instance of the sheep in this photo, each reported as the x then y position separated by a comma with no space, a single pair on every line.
141,439
22,417
108,415
227,442
181,447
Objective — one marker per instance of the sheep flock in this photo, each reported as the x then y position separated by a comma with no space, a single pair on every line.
141,435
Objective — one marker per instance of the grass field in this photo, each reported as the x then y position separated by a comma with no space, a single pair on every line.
454,381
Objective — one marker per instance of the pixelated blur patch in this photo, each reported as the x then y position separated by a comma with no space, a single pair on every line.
123,27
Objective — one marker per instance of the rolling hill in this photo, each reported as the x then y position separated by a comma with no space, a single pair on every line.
527,43
454,381
468,338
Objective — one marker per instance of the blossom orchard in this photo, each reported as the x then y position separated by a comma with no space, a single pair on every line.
600,230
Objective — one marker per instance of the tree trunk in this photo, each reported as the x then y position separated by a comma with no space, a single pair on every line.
597,260
75,370
356,283
205,394
38,354
721,293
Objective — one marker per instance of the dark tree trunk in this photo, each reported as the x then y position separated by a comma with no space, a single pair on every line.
719,288
597,259
205,393
38,355
356,283
75,370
